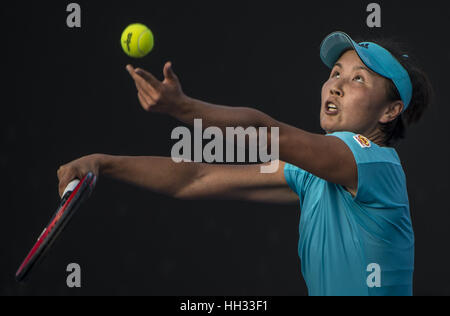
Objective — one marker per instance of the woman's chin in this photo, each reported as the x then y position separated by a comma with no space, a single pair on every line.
328,128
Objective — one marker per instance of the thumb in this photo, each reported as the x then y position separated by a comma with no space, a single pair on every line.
169,73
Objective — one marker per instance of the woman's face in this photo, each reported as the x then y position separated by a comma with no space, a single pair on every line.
353,98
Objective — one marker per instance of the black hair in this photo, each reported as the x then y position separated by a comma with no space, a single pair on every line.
422,96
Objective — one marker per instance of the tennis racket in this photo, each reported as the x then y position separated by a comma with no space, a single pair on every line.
76,193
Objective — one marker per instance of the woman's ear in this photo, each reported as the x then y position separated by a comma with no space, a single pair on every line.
392,111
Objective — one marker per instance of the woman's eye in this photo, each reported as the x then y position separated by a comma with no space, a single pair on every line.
359,78
336,74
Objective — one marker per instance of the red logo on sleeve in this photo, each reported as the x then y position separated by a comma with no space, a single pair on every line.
363,141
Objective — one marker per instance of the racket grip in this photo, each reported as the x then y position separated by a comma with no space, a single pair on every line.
71,186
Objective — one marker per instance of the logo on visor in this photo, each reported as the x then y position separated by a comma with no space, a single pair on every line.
363,141
366,45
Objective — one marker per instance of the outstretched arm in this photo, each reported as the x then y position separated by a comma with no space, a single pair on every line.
185,180
167,97
328,158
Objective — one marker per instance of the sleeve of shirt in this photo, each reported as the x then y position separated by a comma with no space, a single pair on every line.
297,179
381,180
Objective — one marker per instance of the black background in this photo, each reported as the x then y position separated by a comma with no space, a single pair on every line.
67,94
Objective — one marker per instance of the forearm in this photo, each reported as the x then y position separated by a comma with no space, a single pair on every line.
185,181
221,116
167,97
156,174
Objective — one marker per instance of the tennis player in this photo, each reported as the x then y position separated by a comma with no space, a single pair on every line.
356,235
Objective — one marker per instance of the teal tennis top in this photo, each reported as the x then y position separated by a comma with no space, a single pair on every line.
356,246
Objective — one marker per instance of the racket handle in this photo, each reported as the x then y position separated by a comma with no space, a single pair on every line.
72,185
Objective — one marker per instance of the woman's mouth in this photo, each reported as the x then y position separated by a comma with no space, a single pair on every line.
331,108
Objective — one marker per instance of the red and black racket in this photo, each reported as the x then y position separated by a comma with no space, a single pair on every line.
76,193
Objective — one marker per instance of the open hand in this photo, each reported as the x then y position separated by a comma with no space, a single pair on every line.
154,95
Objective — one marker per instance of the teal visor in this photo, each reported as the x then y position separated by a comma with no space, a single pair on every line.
377,58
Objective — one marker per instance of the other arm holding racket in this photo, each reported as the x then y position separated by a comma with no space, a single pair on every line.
185,180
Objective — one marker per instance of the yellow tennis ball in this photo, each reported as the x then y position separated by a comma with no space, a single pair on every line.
137,40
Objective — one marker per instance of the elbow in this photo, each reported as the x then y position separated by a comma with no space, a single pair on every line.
187,194
181,194
191,189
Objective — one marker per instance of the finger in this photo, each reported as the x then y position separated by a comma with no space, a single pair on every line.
63,183
146,88
169,73
141,83
60,172
148,98
129,68
149,94
65,179
148,77
143,102
146,103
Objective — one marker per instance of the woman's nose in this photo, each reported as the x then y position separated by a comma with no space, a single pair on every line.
336,91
